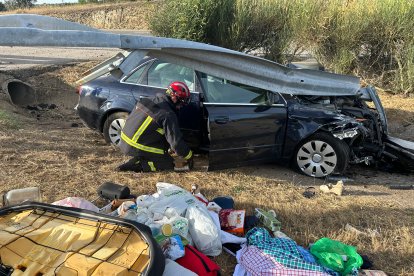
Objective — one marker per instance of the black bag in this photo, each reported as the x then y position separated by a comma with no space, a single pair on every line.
111,191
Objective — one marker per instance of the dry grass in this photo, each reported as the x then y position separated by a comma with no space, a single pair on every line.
73,161
128,15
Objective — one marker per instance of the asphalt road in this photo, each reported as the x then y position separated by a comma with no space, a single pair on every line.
14,58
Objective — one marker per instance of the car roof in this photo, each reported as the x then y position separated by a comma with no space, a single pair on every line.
36,30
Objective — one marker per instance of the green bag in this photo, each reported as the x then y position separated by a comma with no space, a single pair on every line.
337,256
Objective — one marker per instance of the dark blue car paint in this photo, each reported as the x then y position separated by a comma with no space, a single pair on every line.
238,139
303,121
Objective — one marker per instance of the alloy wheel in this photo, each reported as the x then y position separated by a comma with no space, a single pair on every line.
114,130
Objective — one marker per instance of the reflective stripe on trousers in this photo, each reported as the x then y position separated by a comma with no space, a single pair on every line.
134,141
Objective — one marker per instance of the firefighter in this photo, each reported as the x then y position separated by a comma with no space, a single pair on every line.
151,132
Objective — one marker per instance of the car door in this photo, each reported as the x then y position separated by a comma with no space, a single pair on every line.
154,77
245,124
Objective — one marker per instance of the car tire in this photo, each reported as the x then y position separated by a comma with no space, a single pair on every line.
321,155
113,126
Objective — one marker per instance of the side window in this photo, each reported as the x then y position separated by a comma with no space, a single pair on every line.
161,74
218,90
135,77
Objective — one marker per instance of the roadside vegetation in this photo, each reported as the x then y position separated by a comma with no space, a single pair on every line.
8,121
369,38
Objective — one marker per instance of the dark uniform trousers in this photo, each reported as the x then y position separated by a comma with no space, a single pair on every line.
150,130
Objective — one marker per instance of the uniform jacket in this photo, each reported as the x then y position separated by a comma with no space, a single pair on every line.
152,128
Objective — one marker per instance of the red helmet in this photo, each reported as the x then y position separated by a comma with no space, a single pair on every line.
179,90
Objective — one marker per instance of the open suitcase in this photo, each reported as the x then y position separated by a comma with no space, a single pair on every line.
42,239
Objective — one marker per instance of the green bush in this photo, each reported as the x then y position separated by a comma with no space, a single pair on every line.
19,4
370,38
244,25
7,120
2,7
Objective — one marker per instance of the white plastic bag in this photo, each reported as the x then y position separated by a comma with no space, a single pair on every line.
203,230
173,197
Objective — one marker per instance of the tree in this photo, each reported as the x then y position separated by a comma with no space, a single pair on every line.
19,4
2,7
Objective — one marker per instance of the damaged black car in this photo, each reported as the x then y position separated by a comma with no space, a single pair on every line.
238,124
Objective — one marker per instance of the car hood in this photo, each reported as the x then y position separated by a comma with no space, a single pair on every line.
35,30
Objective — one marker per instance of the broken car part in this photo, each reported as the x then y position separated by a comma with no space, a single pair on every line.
44,239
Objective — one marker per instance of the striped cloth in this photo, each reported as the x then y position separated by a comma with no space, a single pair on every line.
282,250
256,262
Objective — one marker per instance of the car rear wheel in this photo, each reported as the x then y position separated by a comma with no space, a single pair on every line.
113,126
321,155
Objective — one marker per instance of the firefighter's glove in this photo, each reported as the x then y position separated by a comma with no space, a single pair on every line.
182,165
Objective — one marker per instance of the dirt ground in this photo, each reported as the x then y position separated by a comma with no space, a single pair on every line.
53,150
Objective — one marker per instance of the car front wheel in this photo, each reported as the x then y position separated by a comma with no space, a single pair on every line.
321,155
113,126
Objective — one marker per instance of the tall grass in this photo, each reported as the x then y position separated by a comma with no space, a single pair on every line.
369,38
8,121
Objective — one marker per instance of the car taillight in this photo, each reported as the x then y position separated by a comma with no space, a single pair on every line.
78,90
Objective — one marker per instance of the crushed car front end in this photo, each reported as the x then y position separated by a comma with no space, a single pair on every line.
359,121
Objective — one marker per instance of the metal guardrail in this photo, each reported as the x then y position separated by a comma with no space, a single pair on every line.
37,31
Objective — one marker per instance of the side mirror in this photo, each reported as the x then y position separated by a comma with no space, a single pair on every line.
271,98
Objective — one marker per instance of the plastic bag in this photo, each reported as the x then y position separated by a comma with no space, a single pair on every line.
336,255
172,197
77,202
203,230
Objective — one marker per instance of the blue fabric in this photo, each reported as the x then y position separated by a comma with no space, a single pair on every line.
307,256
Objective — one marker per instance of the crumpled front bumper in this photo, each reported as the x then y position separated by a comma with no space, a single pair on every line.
403,150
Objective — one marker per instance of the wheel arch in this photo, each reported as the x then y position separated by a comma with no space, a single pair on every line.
107,114
301,130
110,107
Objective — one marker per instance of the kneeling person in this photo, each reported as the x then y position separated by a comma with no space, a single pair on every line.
152,129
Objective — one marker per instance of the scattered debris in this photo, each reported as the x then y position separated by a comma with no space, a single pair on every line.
268,219
309,192
401,187
41,107
339,178
187,226
333,189
372,273
367,232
